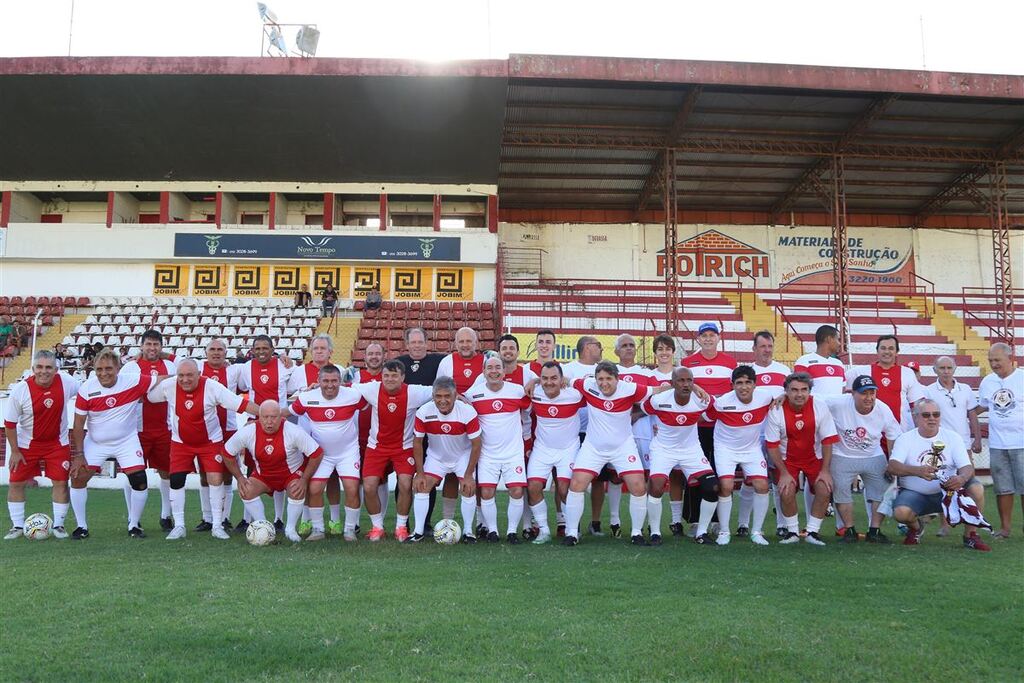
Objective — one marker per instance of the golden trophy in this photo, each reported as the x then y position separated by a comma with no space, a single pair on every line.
935,458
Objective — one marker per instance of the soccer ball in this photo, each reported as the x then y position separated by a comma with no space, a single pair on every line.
260,533
38,526
447,532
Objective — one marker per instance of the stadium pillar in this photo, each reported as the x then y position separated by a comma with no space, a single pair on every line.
329,211
385,215
122,207
174,206
492,213
226,209
5,208
437,213
1000,221
671,210
840,253
278,210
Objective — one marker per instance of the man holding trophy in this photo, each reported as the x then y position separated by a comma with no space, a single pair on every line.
935,477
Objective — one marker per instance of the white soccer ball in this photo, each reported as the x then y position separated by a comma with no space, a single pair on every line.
260,533
38,527
447,532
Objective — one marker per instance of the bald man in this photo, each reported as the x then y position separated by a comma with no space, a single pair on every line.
466,363
1002,394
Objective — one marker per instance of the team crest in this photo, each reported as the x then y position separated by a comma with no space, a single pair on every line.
467,372
411,461
66,464
392,407
628,378
519,469
446,428
830,370
631,458
766,379
747,417
1002,399
608,405
497,405
111,401
264,378
708,371
218,458
680,419
356,464
860,432
886,381
48,402
329,413
268,449
189,403
552,411
799,424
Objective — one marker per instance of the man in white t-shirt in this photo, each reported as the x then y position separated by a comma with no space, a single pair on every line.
862,422
957,401
930,461
1002,394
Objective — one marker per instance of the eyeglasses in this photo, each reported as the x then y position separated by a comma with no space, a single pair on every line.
927,415
952,401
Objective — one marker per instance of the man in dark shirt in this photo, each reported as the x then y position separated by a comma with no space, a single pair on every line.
303,299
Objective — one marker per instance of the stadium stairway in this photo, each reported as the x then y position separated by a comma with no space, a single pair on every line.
758,315
343,334
952,327
22,362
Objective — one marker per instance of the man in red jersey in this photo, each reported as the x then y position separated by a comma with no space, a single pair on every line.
373,363
465,364
898,387
218,367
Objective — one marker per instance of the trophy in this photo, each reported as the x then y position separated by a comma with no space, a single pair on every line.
935,459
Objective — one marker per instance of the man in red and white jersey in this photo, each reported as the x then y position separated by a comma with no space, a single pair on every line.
712,372
36,423
266,378
665,364
556,442
799,435
153,421
464,364
501,408
739,421
109,403
862,422
219,368
453,448
827,371
393,405
898,386
609,441
545,347
373,363
676,446
643,431
285,459
196,434
330,414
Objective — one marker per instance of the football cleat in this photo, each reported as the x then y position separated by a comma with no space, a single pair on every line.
912,537
943,531
376,534
840,531
278,525
723,539
241,526
780,532
166,523
639,540
492,537
401,534
542,538
481,530
789,538
975,543
902,529
334,528
203,526
560,531
813,538
305,527
512,539
415,538
467,539
703,539
59,532
292,536
79,533
742,532
757,538
877,537
531,533
655,539
219,533
615,530
676,528
315,535
350,535
594,529
849,536
134,532
176,533
15,532
570,541
226,524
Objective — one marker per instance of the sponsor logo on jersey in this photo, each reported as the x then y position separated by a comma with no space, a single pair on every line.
476,396
94,394
48,402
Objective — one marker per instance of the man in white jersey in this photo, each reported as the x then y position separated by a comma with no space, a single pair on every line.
284,459
330,414
823,366
501,408
930,461
665,358
36,423
555,443
609,441
771,375
676,445
629,371
193,401
394,405
266,378
861,422
217,366
453,448
739,437
109,402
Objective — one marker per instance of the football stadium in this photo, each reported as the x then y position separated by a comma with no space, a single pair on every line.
553,367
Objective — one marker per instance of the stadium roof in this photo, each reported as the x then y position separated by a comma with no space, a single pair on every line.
556,134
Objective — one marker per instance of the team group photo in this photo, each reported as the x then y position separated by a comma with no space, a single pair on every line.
475,340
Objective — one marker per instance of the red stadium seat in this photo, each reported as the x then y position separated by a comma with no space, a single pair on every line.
415,305
5,300
43,301
361,344
48,320
401,305
487,335
394,333
443,347
82,301
30,301
395,346
69,301
360,305
429,325
16,301
387,305
358,356
472,306
487,306
371,314
430,306
444,305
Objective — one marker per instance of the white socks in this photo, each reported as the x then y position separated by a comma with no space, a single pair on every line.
254,509
637,513
17,511
448,506
278,505
178,506
792,524
515,513
677,511
165,498
760,512
468,506
383,496
377,521
814,523
317,515
527,515
724,513
295,512
138,504
401,521
707,511
60,511
307,514
654,508
540,515
78,499
216,504
745,507
420,505
489,510
573,508
205,503
229,499
335,513
351,518
614,499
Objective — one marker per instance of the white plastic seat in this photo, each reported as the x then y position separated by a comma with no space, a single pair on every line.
275,332
245,331
91,319
230,331
138,329
295,354
220,320
284,343
250,320
123,329
206,320
130,341
82,340
114,340
281,322
191,342
198,352
300,344
68,341
257,311
175,341
182,352
309,322
235,320
98,338
178,320
192,320
259,330
290,332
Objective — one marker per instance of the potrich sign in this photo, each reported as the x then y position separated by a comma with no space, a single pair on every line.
714,255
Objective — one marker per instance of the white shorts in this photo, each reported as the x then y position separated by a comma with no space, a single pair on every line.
345,464
692,463
752,463
643,446
490,471
434,467
127,452
543,460
624,459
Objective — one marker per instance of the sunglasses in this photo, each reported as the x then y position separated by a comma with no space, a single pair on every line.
927,415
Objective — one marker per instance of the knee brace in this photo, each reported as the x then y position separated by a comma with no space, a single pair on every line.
708,485
178,480
137,480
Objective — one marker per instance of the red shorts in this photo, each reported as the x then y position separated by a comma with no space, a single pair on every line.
156,450
810,468
210,459
55,460
377,462
276,481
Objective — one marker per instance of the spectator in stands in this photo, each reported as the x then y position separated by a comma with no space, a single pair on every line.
328,300
303,299
19,334
373,299
1002,394
126,353
65,357
5,330
241,357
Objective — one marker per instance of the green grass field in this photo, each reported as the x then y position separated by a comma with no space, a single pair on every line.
112,608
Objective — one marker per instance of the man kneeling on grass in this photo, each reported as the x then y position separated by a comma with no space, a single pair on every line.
931,461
